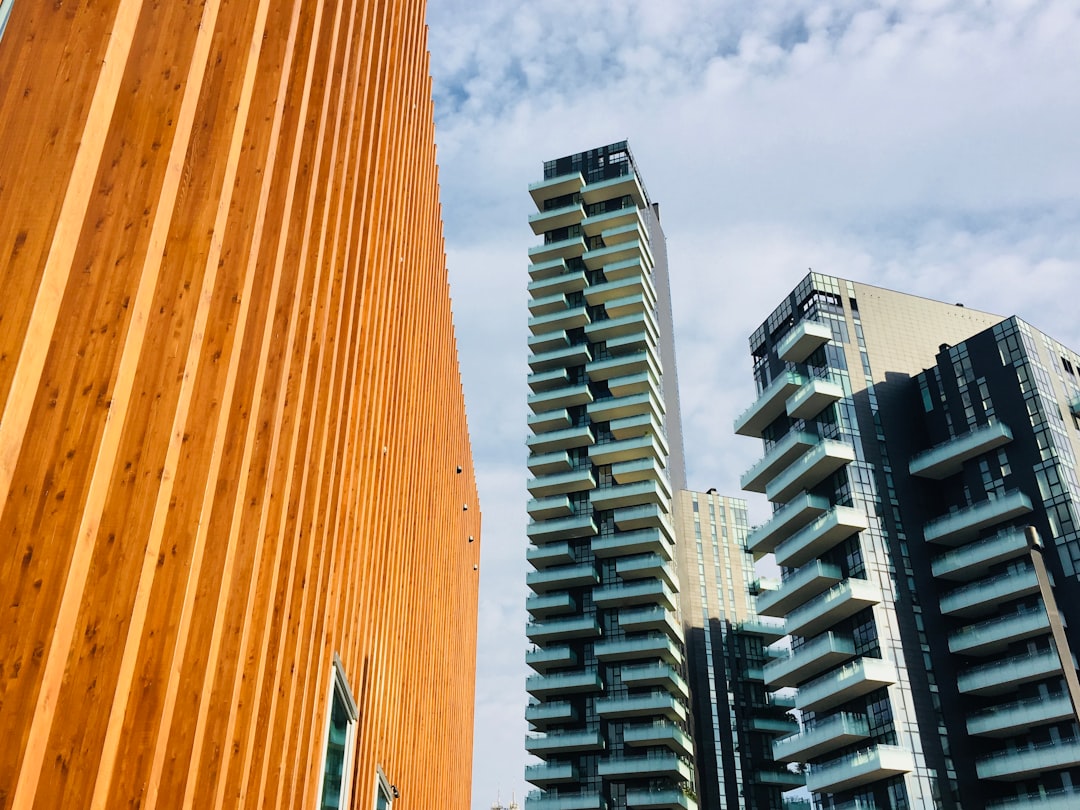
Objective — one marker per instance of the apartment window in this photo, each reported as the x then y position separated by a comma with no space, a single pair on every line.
340,740
384,792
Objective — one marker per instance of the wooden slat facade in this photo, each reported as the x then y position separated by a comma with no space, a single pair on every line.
231,417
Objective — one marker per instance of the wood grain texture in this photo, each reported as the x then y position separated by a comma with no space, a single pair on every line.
231,408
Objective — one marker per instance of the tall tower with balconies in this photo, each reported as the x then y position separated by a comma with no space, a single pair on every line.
909,446
608,699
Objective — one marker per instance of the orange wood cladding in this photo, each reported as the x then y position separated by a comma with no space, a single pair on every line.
231,417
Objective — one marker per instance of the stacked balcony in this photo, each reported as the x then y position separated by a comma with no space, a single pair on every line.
655,674
995,635
551,657
1023,763
537,800
1004,676
964,525
976,559
541,715
784,522
947,458
1063,799
1018,717
985,595
564,742
546,774
798,587
639,647
812,398
659,734
562,577
673,799
639,541
850,681
840,602
555,218
553,187
861,768
563,683
777,458
562,629
650,765
837,731
559,250
809,470
544,605
655,704
804,339
769,406
822,534
643,566
809,660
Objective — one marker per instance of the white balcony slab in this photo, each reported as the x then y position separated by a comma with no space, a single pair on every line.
1003,676
809,470
964,525
809,660
553,218
785,522
798,587
947,459
777,458
553,187
769,405
812,398
975,559
1023,763
861,768
1019,717
828,734
842,601
986,595
994,635
850,681
804,339
822,534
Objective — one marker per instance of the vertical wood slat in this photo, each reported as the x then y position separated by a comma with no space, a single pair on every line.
240,455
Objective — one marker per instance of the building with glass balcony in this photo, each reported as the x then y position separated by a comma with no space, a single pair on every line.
921,462
609,708
727,657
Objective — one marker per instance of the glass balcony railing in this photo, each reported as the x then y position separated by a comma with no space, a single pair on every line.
1026,762
550,463
809,660
542,606
550,554
994,635
543,658
841,601
579,480
563,439
618,496
553,187
571,248
566,528
569,396
560,284
560,357
653,765
778,457
659,734
861,768
850,681
822,534
959,527
810,400
550,773
638,799
775,726
636,648
1063,799
643,592
559,321
633,250
623,364
663,675
647,446
769,405
597,223
560,577
540,800
543,714
1018,717
804,339
647,566
554,218
605,410
637,383
613,187
633,542
975,559
563,683
548,268
551,506
800,586
658,704
647,516
640,469
559,629
809,470
785,522
782,778
1001,677
770,630
826,735
548,421
985,595
651,619
947,458
606,291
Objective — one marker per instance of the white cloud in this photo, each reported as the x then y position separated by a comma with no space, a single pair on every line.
924,146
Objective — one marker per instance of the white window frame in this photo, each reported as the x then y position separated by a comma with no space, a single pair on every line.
339,688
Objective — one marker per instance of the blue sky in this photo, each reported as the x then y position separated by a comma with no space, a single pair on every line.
928,146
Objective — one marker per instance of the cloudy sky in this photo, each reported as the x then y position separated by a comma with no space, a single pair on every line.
928,146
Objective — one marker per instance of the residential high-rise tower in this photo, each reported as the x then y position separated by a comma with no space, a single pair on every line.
609,698
920,457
